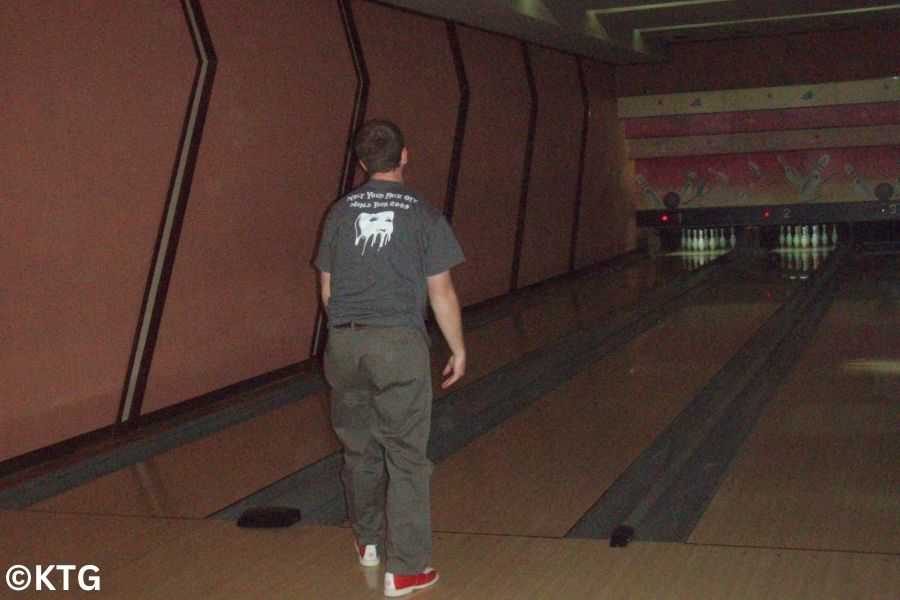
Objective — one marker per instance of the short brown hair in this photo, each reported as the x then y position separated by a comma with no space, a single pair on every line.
379,144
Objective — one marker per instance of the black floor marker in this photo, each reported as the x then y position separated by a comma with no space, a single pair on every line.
269,516
621,536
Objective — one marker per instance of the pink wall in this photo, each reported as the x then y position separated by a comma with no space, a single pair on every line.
554,167
93,96
487,200
413,83
243,297
606,219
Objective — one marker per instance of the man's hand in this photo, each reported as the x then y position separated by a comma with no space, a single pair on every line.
445,305
456,368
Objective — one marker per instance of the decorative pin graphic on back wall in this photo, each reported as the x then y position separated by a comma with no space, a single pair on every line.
864,189
374,228
861,187
806,183
694,187
649,193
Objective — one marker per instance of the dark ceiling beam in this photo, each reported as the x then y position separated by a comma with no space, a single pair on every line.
637,31
559,24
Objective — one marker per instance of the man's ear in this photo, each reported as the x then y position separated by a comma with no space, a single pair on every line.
404,157
363,165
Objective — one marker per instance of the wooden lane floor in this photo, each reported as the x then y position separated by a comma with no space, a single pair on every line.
502,341
821,470
537,473
203,476
143,558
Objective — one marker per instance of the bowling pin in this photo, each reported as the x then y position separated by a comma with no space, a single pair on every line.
834,234
733,239
781,237
712,239
814,238
804,237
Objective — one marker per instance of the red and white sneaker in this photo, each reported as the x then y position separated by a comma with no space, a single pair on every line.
367,554
401,585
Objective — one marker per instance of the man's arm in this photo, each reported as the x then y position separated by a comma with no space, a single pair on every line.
445,305
325,285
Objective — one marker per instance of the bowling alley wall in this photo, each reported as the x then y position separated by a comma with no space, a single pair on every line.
167,165
801,119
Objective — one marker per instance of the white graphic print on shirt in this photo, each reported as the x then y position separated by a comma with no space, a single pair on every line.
374,228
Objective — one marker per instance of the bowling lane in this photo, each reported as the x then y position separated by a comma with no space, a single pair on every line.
539,472
820,470
201,477
566,307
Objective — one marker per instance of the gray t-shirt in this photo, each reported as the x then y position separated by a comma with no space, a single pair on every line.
379,243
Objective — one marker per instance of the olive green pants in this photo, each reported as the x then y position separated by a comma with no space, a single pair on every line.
380,379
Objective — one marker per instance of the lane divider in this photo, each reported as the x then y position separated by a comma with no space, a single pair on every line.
663,493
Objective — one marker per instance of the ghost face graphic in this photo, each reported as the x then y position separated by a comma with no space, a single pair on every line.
374,228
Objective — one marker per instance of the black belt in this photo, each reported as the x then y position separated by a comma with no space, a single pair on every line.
353,326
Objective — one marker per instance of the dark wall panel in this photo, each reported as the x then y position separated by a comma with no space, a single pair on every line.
606,226
491,167
793,59
554,166
93,95
243,296
413,83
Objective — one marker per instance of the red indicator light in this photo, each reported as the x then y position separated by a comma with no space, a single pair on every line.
664,218
767,214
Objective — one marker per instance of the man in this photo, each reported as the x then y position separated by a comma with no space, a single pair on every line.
384,250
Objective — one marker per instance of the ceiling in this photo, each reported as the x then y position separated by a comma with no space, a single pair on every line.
631,31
